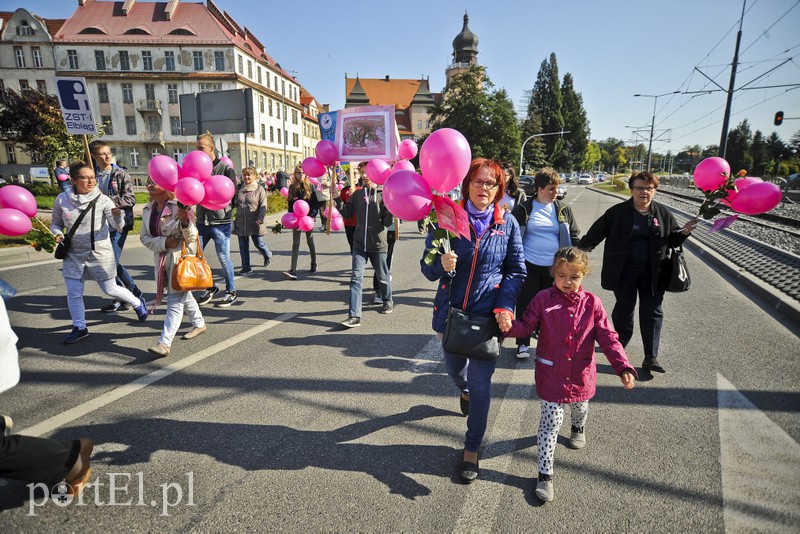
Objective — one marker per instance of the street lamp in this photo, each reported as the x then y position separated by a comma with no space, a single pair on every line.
653,122
522,150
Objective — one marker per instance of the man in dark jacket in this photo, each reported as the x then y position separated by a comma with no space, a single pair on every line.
216,225
369,242
116,183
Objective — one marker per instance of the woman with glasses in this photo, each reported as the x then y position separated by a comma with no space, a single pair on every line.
482,274
90,254
637,233
546,225
166,227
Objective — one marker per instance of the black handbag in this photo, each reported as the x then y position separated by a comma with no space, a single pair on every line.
63,246
677,273
471,335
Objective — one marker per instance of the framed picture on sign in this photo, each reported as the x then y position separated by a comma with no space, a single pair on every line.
367,132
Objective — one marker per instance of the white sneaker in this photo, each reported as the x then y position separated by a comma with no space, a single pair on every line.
545,490
522,352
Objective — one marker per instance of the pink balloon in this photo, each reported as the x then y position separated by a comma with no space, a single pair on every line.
444,159
164,172
326,152
335,213
757,198
300,208
18,198
313,167
219,189
407,149
306,223
227,161
13,222
213,207
711,173
337,223
285,192
407,196
741,184
197,164
313,180
189,191
403,165
339,186
290,220
378,171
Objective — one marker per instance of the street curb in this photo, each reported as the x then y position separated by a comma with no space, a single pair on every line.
773,299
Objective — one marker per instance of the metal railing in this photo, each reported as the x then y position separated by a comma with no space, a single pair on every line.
148,105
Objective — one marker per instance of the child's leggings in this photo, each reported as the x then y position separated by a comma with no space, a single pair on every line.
550,423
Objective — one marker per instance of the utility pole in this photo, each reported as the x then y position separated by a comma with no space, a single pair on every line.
723,140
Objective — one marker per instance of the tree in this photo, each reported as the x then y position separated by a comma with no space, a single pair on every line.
33,121
534,150
738,150
575,121
758,151
590,156
484,116
612,153
546,104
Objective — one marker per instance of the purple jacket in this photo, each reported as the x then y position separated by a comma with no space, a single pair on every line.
569,326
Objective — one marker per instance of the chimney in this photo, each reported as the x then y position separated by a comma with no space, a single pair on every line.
127,6
387,78
172,7
84,2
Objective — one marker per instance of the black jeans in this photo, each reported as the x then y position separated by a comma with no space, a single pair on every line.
637,280
538,278
37,459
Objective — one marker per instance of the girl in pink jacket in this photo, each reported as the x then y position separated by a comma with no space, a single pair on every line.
570,321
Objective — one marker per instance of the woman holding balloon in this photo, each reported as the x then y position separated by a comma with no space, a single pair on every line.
301,190
90,254
638,233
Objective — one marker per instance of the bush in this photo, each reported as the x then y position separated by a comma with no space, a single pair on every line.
620,184
41,189
276,202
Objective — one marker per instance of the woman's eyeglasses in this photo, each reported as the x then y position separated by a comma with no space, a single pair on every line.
646,189
480,184
87,178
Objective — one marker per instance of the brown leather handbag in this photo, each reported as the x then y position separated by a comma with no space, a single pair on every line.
192,272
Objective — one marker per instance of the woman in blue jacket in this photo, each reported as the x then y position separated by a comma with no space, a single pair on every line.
482,274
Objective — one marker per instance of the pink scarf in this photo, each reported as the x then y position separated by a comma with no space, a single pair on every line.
162,260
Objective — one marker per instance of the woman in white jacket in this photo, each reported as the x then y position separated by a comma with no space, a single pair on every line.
165,226
90,255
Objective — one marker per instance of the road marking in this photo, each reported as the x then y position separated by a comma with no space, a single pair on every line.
483,499
760,467
28,265
105,399
34,291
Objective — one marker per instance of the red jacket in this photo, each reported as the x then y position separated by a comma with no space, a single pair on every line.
569,325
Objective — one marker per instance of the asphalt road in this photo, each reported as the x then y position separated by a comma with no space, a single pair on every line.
279,419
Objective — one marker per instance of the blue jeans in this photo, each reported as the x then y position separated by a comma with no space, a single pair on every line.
123,278
220,234
477,383
244,248
378,261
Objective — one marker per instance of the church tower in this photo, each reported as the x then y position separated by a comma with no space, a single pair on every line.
465,51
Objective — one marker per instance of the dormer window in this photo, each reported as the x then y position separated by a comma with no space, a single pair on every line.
91,30
24,28
137,31
181,31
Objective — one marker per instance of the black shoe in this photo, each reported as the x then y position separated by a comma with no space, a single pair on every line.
245,271
469,471
115,306
267,261
313,268
76,335
290,275
464,404
351,322
652,364
388,307
206,296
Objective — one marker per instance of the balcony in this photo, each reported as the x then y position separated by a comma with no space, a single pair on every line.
152,137
148,106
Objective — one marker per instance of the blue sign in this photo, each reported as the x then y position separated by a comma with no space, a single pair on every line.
75,105
327,126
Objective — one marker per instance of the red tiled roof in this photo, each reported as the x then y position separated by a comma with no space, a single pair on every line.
383,92
53,25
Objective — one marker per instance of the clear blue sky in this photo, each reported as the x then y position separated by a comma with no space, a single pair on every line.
613,48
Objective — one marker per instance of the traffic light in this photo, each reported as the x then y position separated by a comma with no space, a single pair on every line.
779,118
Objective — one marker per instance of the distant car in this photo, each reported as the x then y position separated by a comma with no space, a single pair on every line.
527,184
562,191
600,176
585,179
793,182
563,177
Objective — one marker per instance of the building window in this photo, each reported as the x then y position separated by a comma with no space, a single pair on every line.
278,108
37,58
102,93
41,86
249,69
99,60
258,74
219,61
134,158
23,85
294,116
72,58
169,60
197,58
150,91
124,60
428,125
11,154
106,121
147,60
271,135
20,57
208,87
296,139
269,105
263,132
127,93
276,82
154,153
176,154
240,62
24,28
279,136
261,103
130,125
175,125
172,93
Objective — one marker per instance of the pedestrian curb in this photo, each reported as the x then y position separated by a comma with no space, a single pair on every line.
773,299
